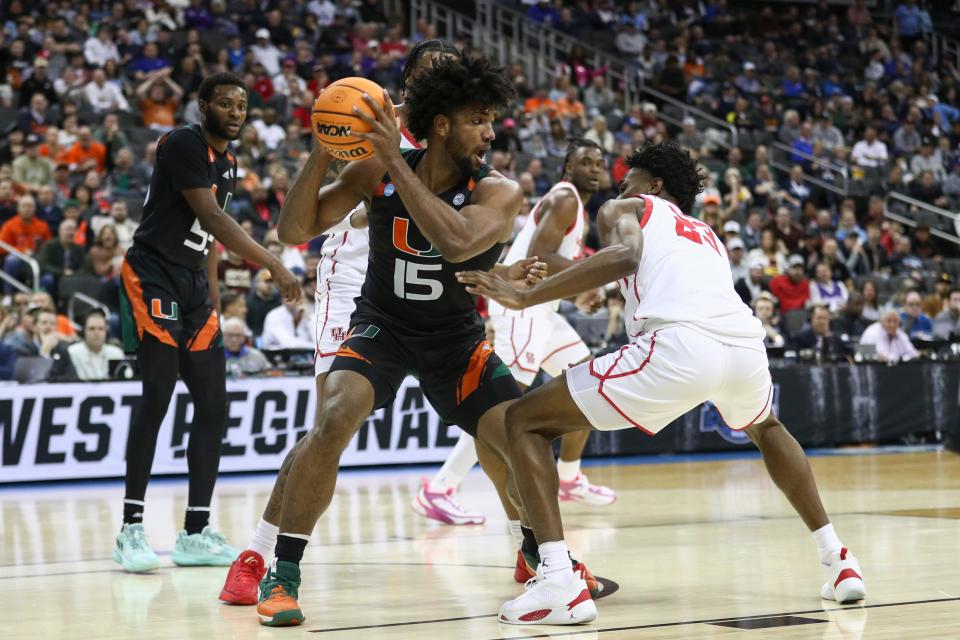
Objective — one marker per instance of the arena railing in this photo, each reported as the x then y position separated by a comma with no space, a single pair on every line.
913,204
943,49
87,300
780,159
30,261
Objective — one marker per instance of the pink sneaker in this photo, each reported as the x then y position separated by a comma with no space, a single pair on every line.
442,507
580,490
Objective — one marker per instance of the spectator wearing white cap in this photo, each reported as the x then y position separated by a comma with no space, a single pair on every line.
891,342
738,263
266,53
754,283
747,82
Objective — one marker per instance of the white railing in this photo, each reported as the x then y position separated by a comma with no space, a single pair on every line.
840,170
915,205
693,112
87,300
31,262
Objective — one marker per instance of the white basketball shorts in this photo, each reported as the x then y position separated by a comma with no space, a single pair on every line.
537,340
334,306
664,374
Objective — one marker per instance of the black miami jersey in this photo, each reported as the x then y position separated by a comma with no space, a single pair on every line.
407,280
169,226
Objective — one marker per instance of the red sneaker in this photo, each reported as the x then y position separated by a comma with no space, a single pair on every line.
526,568
523,571
243,579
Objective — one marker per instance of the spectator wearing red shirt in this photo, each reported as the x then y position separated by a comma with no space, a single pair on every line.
24,232
791,288
86,154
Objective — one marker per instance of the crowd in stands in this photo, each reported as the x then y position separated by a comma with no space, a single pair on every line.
855,98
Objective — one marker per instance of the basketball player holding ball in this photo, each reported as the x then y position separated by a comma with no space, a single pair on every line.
340,275
431,212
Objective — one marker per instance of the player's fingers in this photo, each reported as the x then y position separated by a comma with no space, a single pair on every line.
388,105
378,110
360,114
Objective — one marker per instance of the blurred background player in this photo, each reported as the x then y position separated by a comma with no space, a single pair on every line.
536,338
170,316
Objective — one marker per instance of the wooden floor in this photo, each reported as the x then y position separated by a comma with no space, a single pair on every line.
699,549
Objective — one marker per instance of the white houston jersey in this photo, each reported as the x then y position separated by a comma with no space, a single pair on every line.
570,247
348,250
684,278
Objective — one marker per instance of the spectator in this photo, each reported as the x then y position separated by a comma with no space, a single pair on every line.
926,189
871,301
86,154
599,99
830,254
791,288
124,179
123,226
927,160
288,326
103,96
111,137
241,358
60,257
827,134
764,308
268,130
599,133
671,80
891,342
47,209
937,301
819,338
946,324
25,233
265,52
37,334
689,136
35,117
32,171
906,139
848,226
38,82
750,288
869,152
786,231
106,255
143,170
903,260
97,50
825,291
771,253
738,263
264,297
8,359
913,320
91,356
235,273
850,323
157,106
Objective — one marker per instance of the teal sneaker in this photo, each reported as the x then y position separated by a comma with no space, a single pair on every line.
205,549
132,551
278,596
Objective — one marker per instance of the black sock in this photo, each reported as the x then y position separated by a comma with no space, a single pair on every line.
133,511
289,548
196,519
530,546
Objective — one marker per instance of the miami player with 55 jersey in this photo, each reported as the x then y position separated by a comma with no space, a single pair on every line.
170,316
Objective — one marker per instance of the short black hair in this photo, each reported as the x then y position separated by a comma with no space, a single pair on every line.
423,48
575,144
96,311
210,83
454,83
675,166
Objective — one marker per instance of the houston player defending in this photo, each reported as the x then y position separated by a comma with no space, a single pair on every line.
694,341
538,338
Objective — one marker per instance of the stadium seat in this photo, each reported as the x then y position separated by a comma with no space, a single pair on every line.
69,285
793,321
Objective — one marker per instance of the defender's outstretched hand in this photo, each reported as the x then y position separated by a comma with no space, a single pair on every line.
489,284
526,272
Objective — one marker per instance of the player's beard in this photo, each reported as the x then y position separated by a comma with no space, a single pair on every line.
215,126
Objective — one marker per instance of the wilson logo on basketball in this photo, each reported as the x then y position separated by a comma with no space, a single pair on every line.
333,130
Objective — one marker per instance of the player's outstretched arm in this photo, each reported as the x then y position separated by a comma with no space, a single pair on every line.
311,208
522,273
556,213
618,260
225,229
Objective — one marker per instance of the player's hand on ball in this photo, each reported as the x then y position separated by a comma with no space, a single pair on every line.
384,133
489,284
526,273
288,283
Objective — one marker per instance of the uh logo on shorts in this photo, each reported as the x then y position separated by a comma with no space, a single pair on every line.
710,420
156,310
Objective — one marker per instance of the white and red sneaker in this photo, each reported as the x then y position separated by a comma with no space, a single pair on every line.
442,507
550,602
243,579
844,578
580,490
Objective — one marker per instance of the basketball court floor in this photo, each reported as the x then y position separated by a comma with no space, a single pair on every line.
695,547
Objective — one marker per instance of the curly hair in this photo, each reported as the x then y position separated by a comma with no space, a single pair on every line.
454,83
675,166
423,48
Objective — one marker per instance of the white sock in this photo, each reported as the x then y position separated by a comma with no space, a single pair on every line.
555,562
458,464
516,531
568,470
827,542
264,540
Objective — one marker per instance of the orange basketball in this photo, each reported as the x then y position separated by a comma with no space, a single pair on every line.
333,122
